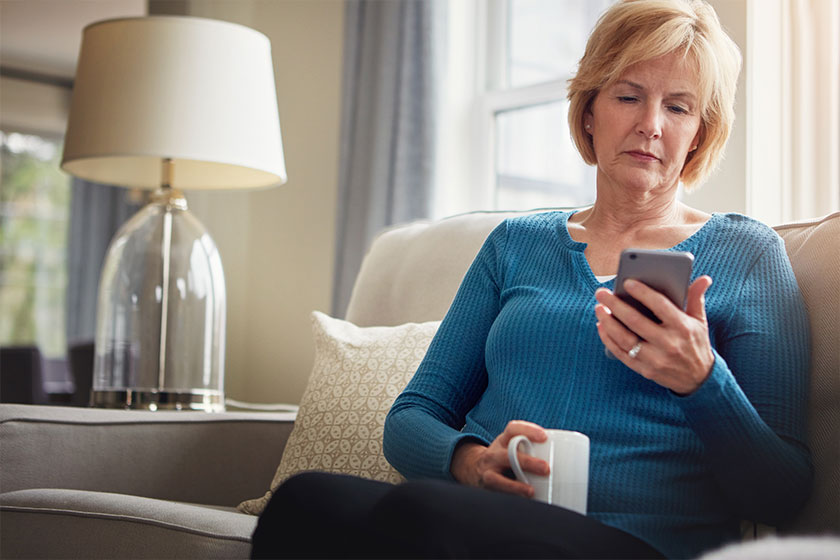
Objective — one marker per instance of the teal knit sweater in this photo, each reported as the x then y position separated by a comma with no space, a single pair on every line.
520,342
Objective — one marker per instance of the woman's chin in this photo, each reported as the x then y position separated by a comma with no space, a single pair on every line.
642,181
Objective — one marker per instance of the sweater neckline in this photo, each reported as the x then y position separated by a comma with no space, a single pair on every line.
690,241
583,265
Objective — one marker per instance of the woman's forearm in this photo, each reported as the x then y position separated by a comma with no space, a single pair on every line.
418,443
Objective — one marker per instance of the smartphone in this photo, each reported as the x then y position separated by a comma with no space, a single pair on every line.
668,272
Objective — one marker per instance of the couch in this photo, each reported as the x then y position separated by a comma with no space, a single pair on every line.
92,483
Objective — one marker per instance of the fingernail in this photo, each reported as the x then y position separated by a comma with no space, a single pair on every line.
630,283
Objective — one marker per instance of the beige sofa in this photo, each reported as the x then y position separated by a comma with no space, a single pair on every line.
101,483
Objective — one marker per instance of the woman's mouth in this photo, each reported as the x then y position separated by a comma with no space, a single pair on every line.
642,155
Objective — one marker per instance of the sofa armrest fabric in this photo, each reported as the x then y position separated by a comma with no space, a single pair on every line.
218,459
53,523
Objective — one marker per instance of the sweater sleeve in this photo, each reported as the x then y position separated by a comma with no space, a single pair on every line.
750,412
424,425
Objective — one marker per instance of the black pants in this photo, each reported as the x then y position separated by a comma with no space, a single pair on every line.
317,515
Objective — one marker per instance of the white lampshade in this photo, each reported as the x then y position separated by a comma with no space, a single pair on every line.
197,91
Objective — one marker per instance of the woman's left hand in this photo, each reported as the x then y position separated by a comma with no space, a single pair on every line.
677,353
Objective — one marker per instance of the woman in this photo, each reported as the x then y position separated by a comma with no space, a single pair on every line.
698,424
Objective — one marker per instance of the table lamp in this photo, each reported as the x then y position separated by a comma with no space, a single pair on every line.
169,103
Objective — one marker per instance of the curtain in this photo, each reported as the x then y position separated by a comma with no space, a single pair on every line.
96,213
811,141
386,166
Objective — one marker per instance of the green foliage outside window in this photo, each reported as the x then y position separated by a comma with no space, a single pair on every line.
34,214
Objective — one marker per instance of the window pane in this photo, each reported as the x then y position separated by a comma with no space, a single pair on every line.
34,207
536,163
546,38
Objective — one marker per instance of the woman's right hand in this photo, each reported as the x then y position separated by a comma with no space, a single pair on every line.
475,464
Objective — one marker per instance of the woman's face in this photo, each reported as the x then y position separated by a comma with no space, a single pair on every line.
644,125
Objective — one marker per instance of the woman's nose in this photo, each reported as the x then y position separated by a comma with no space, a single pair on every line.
650,123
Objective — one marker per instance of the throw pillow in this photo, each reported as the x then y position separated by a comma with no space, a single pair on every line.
357,374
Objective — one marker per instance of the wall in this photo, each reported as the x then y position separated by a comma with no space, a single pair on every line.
726,189
277,244
34,107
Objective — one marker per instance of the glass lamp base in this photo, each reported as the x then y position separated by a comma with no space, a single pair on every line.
206,400
160,331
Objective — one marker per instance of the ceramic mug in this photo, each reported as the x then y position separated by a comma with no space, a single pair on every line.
567,455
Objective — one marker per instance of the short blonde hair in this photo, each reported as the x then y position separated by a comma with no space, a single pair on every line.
633,31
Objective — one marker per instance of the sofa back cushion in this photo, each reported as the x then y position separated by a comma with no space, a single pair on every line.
814,250
412,272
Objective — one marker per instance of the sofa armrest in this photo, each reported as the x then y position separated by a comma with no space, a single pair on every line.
216,459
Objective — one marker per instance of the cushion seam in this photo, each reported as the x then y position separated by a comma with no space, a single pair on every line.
807,222
124,518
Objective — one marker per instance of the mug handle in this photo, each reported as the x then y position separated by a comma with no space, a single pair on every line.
513,447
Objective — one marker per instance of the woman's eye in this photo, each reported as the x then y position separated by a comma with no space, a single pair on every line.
626,98
678,110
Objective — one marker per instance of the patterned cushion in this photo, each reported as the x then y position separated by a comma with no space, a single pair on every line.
357,374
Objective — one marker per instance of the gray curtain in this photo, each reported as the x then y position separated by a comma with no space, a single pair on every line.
96,213
391,59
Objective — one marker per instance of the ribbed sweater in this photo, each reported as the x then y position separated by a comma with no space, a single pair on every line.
680,472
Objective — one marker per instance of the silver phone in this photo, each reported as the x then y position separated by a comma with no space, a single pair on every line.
668,272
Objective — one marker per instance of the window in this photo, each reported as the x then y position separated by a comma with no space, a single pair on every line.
539,45
522,53
34,208
504,142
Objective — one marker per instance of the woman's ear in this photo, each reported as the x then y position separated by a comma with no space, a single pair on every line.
697,137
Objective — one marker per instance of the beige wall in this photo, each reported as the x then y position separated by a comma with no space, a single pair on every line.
32,106
277,245
725,191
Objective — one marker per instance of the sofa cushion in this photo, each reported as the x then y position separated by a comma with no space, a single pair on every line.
814,250
411,272
53,523
357,374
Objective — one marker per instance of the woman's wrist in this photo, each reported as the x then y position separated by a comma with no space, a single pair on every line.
464,460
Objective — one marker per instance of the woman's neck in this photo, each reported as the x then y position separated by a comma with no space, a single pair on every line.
607,229
613,218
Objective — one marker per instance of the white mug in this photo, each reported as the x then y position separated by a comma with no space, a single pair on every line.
567,455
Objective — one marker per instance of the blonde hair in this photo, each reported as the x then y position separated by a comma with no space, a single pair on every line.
633,31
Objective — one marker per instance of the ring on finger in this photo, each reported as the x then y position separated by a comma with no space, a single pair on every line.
633,352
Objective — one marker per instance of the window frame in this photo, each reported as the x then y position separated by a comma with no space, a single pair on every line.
478,103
